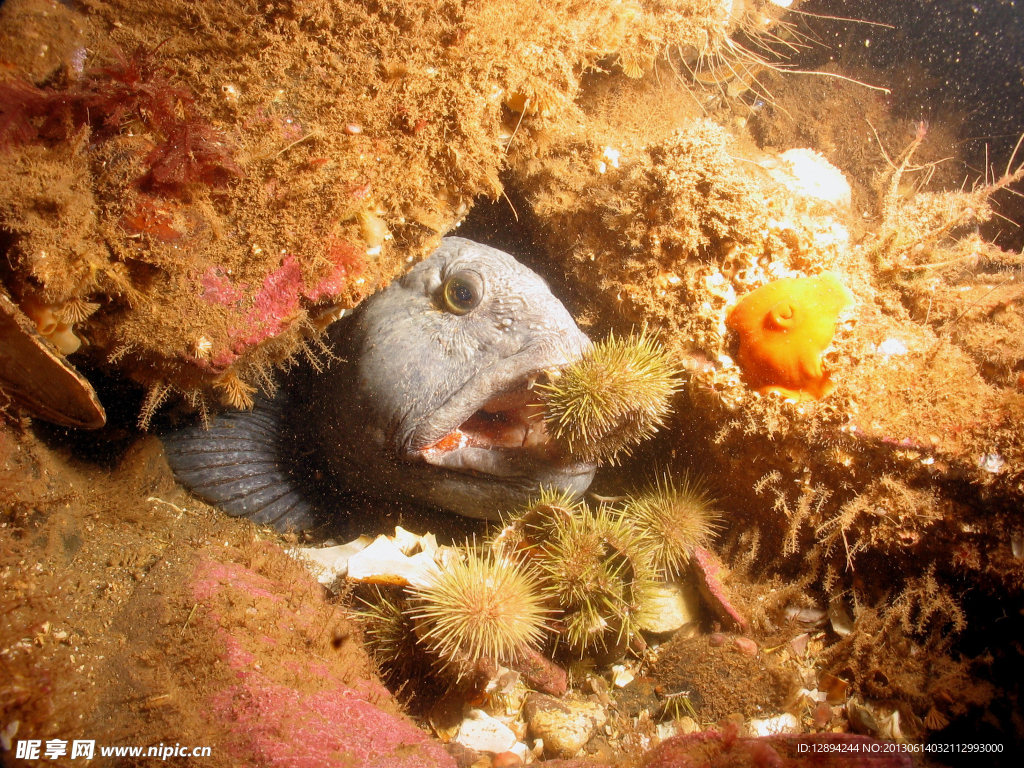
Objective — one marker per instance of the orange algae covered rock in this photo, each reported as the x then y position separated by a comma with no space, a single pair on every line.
784,328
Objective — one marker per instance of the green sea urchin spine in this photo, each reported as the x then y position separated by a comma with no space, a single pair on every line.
389,635
534,523
482,606
598,568
616,395
676,516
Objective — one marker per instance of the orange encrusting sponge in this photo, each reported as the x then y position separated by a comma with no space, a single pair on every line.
784,328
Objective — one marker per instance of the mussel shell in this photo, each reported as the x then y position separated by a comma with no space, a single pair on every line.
39,378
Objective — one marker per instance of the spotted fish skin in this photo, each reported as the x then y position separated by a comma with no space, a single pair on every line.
428,399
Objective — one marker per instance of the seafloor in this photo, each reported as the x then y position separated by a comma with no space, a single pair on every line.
191,192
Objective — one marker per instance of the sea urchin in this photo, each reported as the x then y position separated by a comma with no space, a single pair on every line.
677,516
389,636
616,395
598,566
534,524
478,607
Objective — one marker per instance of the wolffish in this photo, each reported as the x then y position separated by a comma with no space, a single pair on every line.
431,399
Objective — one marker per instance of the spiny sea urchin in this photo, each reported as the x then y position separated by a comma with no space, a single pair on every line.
677,516
478,607
598,566
534,523
390,637
616,395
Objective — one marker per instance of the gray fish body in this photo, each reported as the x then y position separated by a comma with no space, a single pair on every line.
430,400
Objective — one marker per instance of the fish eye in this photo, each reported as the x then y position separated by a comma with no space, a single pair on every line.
462,292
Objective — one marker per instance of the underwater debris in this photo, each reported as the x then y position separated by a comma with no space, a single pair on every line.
672,605
331,563
615,396
784,327
480,732
383,561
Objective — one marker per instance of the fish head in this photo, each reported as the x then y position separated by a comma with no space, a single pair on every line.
446,359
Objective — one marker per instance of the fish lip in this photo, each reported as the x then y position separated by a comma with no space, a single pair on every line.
507,463
467,451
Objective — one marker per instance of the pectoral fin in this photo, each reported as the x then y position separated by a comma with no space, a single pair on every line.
240,465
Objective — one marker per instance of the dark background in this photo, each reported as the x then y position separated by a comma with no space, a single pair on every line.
971,56
974,51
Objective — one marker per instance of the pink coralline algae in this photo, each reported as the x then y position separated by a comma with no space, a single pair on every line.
275,725
211,576
219,289
331,286
260,721
222,360
279,300
275,305
708,569
348,263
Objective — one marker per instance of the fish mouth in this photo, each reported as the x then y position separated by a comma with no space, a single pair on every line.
495,426
512,421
